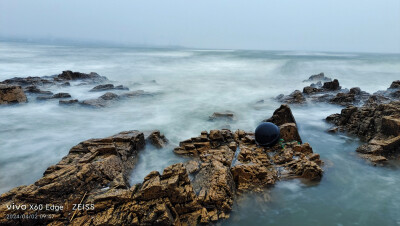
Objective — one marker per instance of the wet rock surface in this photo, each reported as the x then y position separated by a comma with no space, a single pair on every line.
106,87
102,101
226,115
10,94
223,164
36,87
318,78
376,124
55,96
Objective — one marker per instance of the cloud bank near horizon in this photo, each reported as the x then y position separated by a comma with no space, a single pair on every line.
341,26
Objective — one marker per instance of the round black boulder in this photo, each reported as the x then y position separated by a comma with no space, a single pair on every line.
267,134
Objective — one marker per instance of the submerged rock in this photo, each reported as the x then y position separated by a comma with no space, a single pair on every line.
34,89
68,102
103,101
10,94
108,87
55,96
227,115
318,78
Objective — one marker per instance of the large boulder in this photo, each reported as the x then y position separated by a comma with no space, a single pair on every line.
11,94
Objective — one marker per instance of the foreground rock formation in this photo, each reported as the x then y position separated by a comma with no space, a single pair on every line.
222,165
10,94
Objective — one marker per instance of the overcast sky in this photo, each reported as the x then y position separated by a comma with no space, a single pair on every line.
319,25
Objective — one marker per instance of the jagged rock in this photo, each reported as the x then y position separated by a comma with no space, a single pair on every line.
69,75
55,96
333,130
395,85
354,96
11,94
289,132
377,124
34,89
318,77
95,172
28,81
156,138
136,93
68,102
103,101
343,99
83,173
310,90
355,90
296,97
103,87
332,86
227,115
107,87
390,94
373,158
284,118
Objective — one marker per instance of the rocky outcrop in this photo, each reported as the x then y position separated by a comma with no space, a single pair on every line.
395,85
378,125
11,94
34,89
296,97
71,76
330,92
106,87
55,96
332,86
318,78
354,97
156,139
223,165
103,101
93,168
284,119
29,81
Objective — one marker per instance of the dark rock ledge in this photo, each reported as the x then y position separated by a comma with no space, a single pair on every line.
96,172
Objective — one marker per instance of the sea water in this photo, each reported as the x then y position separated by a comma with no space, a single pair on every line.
191,84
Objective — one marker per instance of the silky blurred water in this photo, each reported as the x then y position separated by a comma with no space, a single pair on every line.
190,85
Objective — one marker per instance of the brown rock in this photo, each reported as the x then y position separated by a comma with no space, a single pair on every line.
11,94
156,138
227,115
